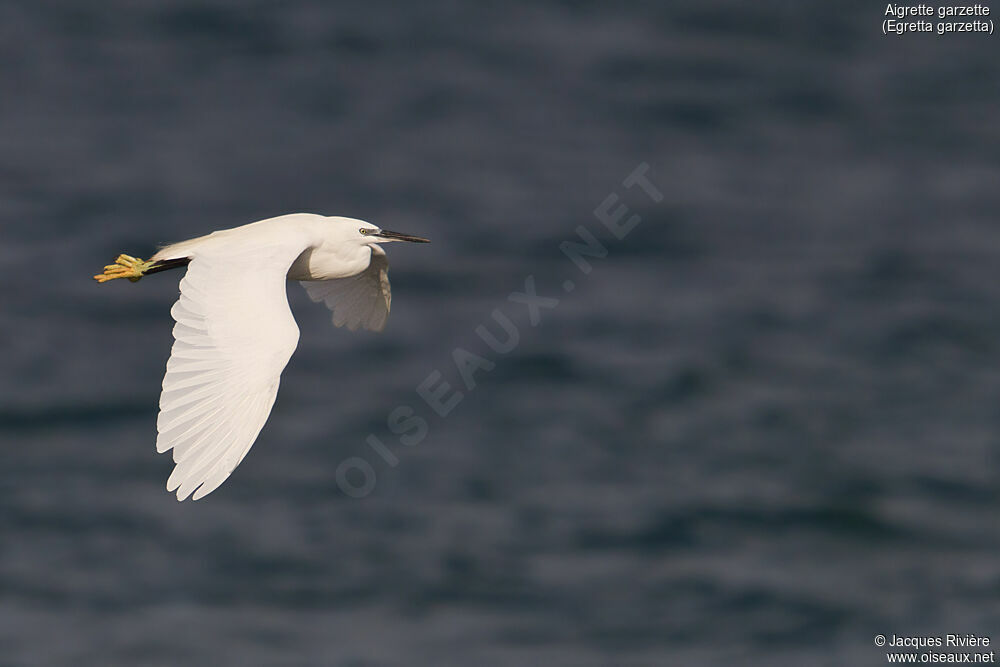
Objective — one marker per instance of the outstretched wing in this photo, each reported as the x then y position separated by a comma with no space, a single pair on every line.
359,301
233,337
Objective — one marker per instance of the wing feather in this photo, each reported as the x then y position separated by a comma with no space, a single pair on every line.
361,301
233,336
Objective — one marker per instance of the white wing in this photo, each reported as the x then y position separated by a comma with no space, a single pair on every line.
359,301
233,337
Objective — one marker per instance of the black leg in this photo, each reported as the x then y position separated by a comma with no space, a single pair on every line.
167,264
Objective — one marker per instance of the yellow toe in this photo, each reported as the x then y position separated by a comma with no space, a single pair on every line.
125,266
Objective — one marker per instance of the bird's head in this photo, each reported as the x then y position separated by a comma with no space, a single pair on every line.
369,233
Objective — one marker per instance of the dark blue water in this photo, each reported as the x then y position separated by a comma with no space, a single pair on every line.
761,430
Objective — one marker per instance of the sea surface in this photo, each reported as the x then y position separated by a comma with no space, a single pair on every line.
760,430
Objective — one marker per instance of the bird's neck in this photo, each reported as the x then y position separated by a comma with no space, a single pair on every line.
328,261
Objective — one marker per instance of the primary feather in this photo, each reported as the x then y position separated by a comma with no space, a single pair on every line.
233,337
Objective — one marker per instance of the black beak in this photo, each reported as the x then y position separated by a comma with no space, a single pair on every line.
386,234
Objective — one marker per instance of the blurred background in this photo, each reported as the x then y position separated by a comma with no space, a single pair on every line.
762,430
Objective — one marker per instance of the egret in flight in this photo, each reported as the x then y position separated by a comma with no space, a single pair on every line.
234,332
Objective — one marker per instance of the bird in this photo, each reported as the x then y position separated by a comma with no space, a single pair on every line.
234,332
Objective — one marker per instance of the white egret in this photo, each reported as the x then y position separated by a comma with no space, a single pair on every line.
234,332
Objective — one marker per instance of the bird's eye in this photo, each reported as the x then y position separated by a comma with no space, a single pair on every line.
364,231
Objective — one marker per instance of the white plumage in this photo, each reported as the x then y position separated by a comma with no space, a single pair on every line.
235,333
359,301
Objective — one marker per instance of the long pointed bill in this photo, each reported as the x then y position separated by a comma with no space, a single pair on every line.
396,236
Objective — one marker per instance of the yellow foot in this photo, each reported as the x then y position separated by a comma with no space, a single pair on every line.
125,266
